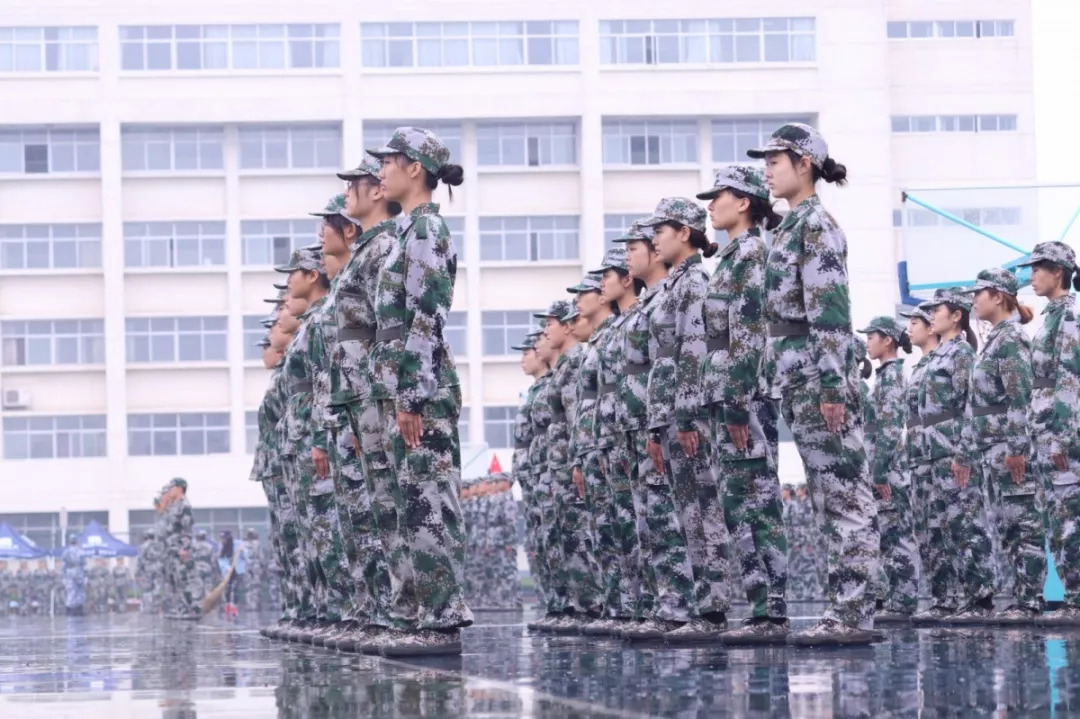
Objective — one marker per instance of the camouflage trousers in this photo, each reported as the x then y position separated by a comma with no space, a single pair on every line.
549,545
839,485
182,586
284,537
1018,521
534,549
370,578
1062,491
897,585
426,556
611,509
696,493
300,545
579,571
665,551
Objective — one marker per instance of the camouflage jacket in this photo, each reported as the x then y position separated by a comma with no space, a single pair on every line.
1000,380
735,326
583,430
943,396
1055,358
806,281
632,393
204,557
677,346
869,417
121,580
502,518
523,432
179,530
416,289
357,287
298,385
888,430
539,419
322,345
916,446
562,396
611,359
265,464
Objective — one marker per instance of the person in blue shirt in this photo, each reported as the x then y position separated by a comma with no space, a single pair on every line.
74,577
225,562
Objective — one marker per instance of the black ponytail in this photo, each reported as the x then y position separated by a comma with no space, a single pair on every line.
761,210
698,239
832,172
965,324
1075,281
905,342
450,174
866,369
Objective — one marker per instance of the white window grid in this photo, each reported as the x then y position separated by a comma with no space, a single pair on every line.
731,138
35,150
499,426
712,41
455,332
54,436
172,148
456,226
953,123
253,333
978,216
176,339
503,328
297,147
48,49
530,238
52,342
376,134
616,225
929,29
650,142
60,246
174,244
464,44
230,47
526,144
271,242
463,427
251,430
181,433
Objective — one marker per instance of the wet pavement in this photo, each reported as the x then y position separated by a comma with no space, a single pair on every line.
135,666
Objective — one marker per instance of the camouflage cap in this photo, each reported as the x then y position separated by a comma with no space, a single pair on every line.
368,167
308,259
275,300
526,344
333,206
1056,252
417,144
800,139
178,482
677,209
744,178
590,283
264,342
572,315
636,233
922,312
950,296
280,288
614,259
886,325
556,309
995,279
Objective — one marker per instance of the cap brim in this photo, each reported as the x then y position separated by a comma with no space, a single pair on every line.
521,348
759,152
287,269
652,221
1033,261
543,315
710,194
384,151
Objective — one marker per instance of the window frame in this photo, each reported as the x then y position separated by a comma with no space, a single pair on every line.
292,137
537,229
547,135
81,145
207,235
159,423
92,429
25,242
624,131
141,137
59,50
511,332
467,45
88,338
226,48
155,338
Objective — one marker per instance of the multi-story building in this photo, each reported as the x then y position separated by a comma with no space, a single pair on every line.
158,158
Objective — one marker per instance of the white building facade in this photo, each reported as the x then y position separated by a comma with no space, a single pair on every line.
157,159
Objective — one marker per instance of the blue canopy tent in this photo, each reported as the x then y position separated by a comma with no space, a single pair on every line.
95,541
14,546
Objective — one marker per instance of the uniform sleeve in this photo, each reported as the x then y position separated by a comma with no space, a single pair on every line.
691,348
1017,376
430,268
747,334
828,306
961,378
184,536
1063,423
889,400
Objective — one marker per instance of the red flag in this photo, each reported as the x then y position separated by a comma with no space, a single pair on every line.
494,467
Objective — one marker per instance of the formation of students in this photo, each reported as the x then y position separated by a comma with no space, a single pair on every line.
647,446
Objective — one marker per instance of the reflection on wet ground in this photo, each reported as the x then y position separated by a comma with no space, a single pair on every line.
133,666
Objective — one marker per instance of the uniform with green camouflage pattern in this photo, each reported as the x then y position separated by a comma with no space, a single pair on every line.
539,502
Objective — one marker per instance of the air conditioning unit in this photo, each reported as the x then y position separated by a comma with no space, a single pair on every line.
16,399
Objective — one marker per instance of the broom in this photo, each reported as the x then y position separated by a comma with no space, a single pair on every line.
211,600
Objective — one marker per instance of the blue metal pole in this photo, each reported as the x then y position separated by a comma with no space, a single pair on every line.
963,223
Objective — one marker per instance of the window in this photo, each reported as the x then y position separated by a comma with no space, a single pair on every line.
54,436
732,138
456,225
463,427
37,151
525,239
978,216
176,339
229,47
918,29
48,49
650,142
174,244
499,426
526,144
953,123
377,133
186,433
251,430
271,242
616,225
279,147
52,342
503,329
464,44
454,332
33,247
720,41
253,334
172,148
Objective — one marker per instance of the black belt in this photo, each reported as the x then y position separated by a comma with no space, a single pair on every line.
608,388
637,368
1043,384
664,352
391,334
932,419
989,410
349,334
522,445
720,342
789,329
303,387
588,394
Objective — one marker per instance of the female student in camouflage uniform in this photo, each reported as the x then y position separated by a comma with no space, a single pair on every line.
997,436
1055,414
898,595
678,431
742,415
808,307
